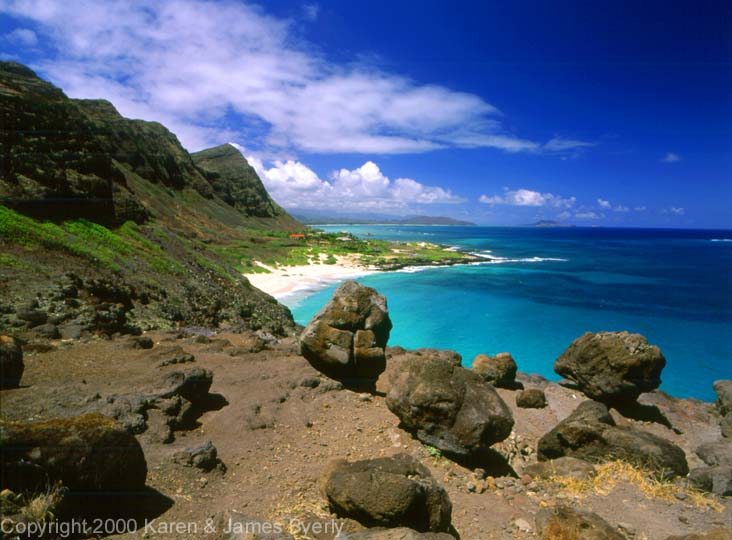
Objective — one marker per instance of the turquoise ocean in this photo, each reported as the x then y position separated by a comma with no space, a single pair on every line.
540,288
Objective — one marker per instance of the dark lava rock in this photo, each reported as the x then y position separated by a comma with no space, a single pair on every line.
192,384
723,388
533,398
562,522
563,467
713,479
90,452
203,457
11,362
346,339
446,406
612,367
499,370
400,533
396,491
141,342
590,433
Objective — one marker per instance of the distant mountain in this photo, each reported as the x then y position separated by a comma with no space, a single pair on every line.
550,223
373,220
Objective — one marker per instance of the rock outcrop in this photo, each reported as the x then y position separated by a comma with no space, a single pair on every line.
11,362
90,452
563,522
499,370
612,367
346,339
445,405
590,433
396,491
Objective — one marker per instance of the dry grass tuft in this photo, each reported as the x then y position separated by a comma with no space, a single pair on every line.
609,475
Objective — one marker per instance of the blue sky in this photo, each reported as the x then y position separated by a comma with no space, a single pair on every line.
589,112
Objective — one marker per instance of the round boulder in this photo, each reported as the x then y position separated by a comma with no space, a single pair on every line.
11,362
533,398
499,370
445,405
612,367
90,452
346,339
395,491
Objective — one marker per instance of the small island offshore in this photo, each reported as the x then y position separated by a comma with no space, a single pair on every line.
154,388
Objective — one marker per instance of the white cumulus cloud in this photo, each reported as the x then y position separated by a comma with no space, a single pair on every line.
294,185
603,203
527,197
678,211
671,157
588,215
216,72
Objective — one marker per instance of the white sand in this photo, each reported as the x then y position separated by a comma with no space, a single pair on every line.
284,281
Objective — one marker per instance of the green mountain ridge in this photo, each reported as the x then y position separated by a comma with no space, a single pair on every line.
87,191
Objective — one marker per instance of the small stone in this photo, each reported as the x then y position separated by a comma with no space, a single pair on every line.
471,487
522,525
680,496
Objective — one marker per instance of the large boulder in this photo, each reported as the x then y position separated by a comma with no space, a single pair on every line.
563,522
499,370
395,491
612,367
590,433
446,406
346,339
11,362
400,533
90,452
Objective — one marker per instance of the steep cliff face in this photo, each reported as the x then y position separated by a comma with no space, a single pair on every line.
66,158
53,165
236,182
85,190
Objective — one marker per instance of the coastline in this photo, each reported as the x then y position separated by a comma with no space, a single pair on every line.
286,281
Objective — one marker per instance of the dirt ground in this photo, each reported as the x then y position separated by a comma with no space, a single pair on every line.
284,422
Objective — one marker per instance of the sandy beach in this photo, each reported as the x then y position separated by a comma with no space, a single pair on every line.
283,281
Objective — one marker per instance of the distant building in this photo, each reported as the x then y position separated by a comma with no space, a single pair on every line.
297,236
